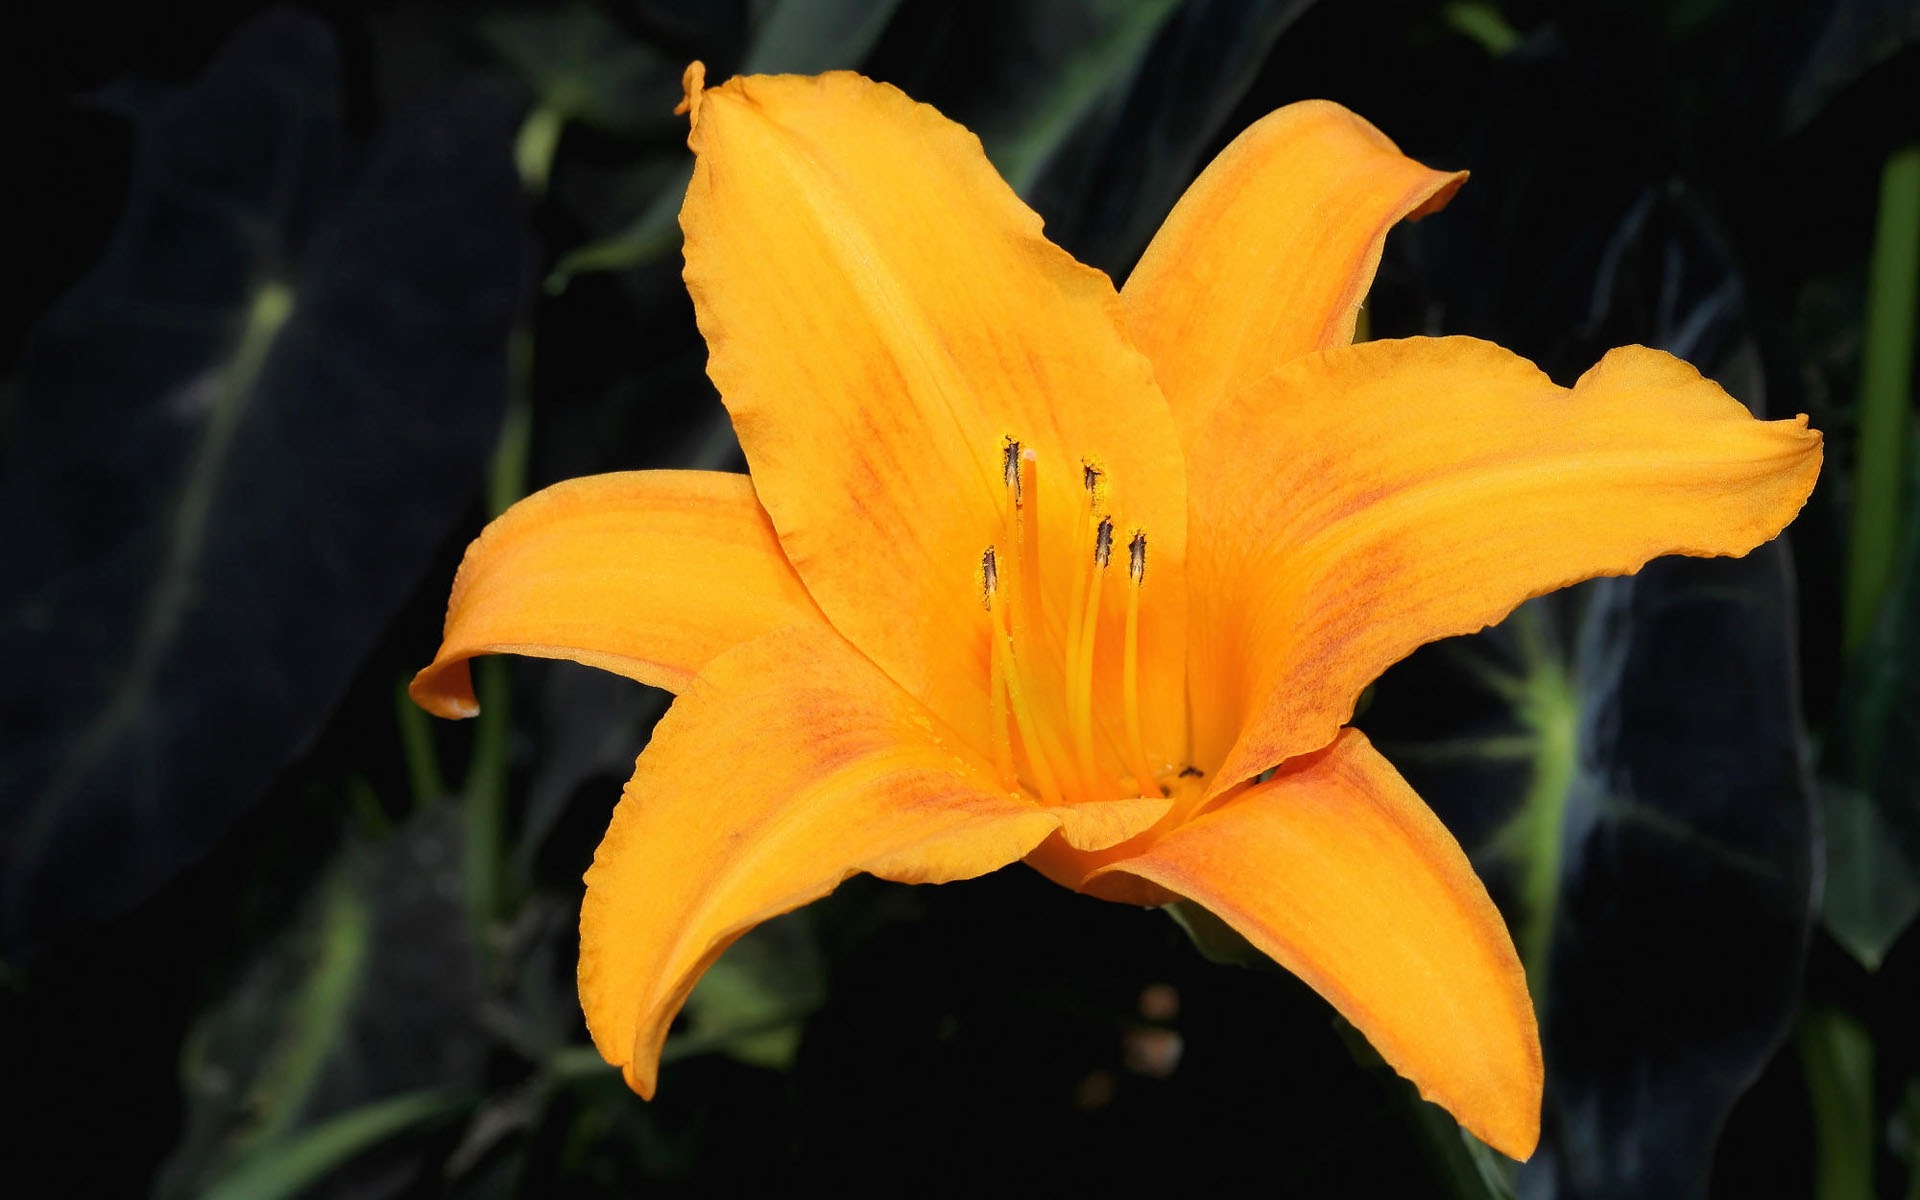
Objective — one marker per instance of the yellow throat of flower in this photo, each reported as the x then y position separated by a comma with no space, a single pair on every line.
1045,736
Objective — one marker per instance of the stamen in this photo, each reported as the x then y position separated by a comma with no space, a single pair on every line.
1087,628
997,677
1023,715
1130,667
1078,683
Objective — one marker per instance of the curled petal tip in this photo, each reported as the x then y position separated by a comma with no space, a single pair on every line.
1450,182
445,690
692,83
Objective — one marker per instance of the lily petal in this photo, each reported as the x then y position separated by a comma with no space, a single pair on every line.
882,313
1426,488
1338,871
648,574
788,765
1271,251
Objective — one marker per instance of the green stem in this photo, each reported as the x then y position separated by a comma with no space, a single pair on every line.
1886,372
1913,1139
507,478
486,782
417,748
486,790
1837,1054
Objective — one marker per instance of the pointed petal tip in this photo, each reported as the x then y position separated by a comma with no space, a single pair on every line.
693,84
643,1076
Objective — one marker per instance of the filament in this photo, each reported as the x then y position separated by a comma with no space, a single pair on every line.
1023,716
997,678
1087,627
1130,665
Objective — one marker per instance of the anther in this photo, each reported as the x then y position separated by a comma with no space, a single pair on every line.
1137,557
1103,544
1010,470
989,578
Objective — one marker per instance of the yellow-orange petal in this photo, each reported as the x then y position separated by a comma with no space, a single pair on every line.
648,574
1337,871
1423,488
789,764
1270,253
881,314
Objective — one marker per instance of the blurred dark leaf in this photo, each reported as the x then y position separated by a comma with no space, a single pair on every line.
1657,864
1851,37
805,37
1106,191
293,1169
1097,112
1872,758
1578,230
371,998
583,67
238,442
592,726
1871,891
796,36
751,1003
1623,761
1027,77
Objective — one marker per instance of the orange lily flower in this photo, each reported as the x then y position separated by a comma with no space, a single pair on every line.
1031,569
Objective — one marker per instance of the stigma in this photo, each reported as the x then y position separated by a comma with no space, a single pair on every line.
1065,724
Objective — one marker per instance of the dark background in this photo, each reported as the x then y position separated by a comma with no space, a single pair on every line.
269,931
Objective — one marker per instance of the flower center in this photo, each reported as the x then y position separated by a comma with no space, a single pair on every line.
1045,670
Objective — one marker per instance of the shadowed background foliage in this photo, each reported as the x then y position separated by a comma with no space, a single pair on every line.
310,293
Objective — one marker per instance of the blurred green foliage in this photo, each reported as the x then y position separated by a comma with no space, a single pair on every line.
363,274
